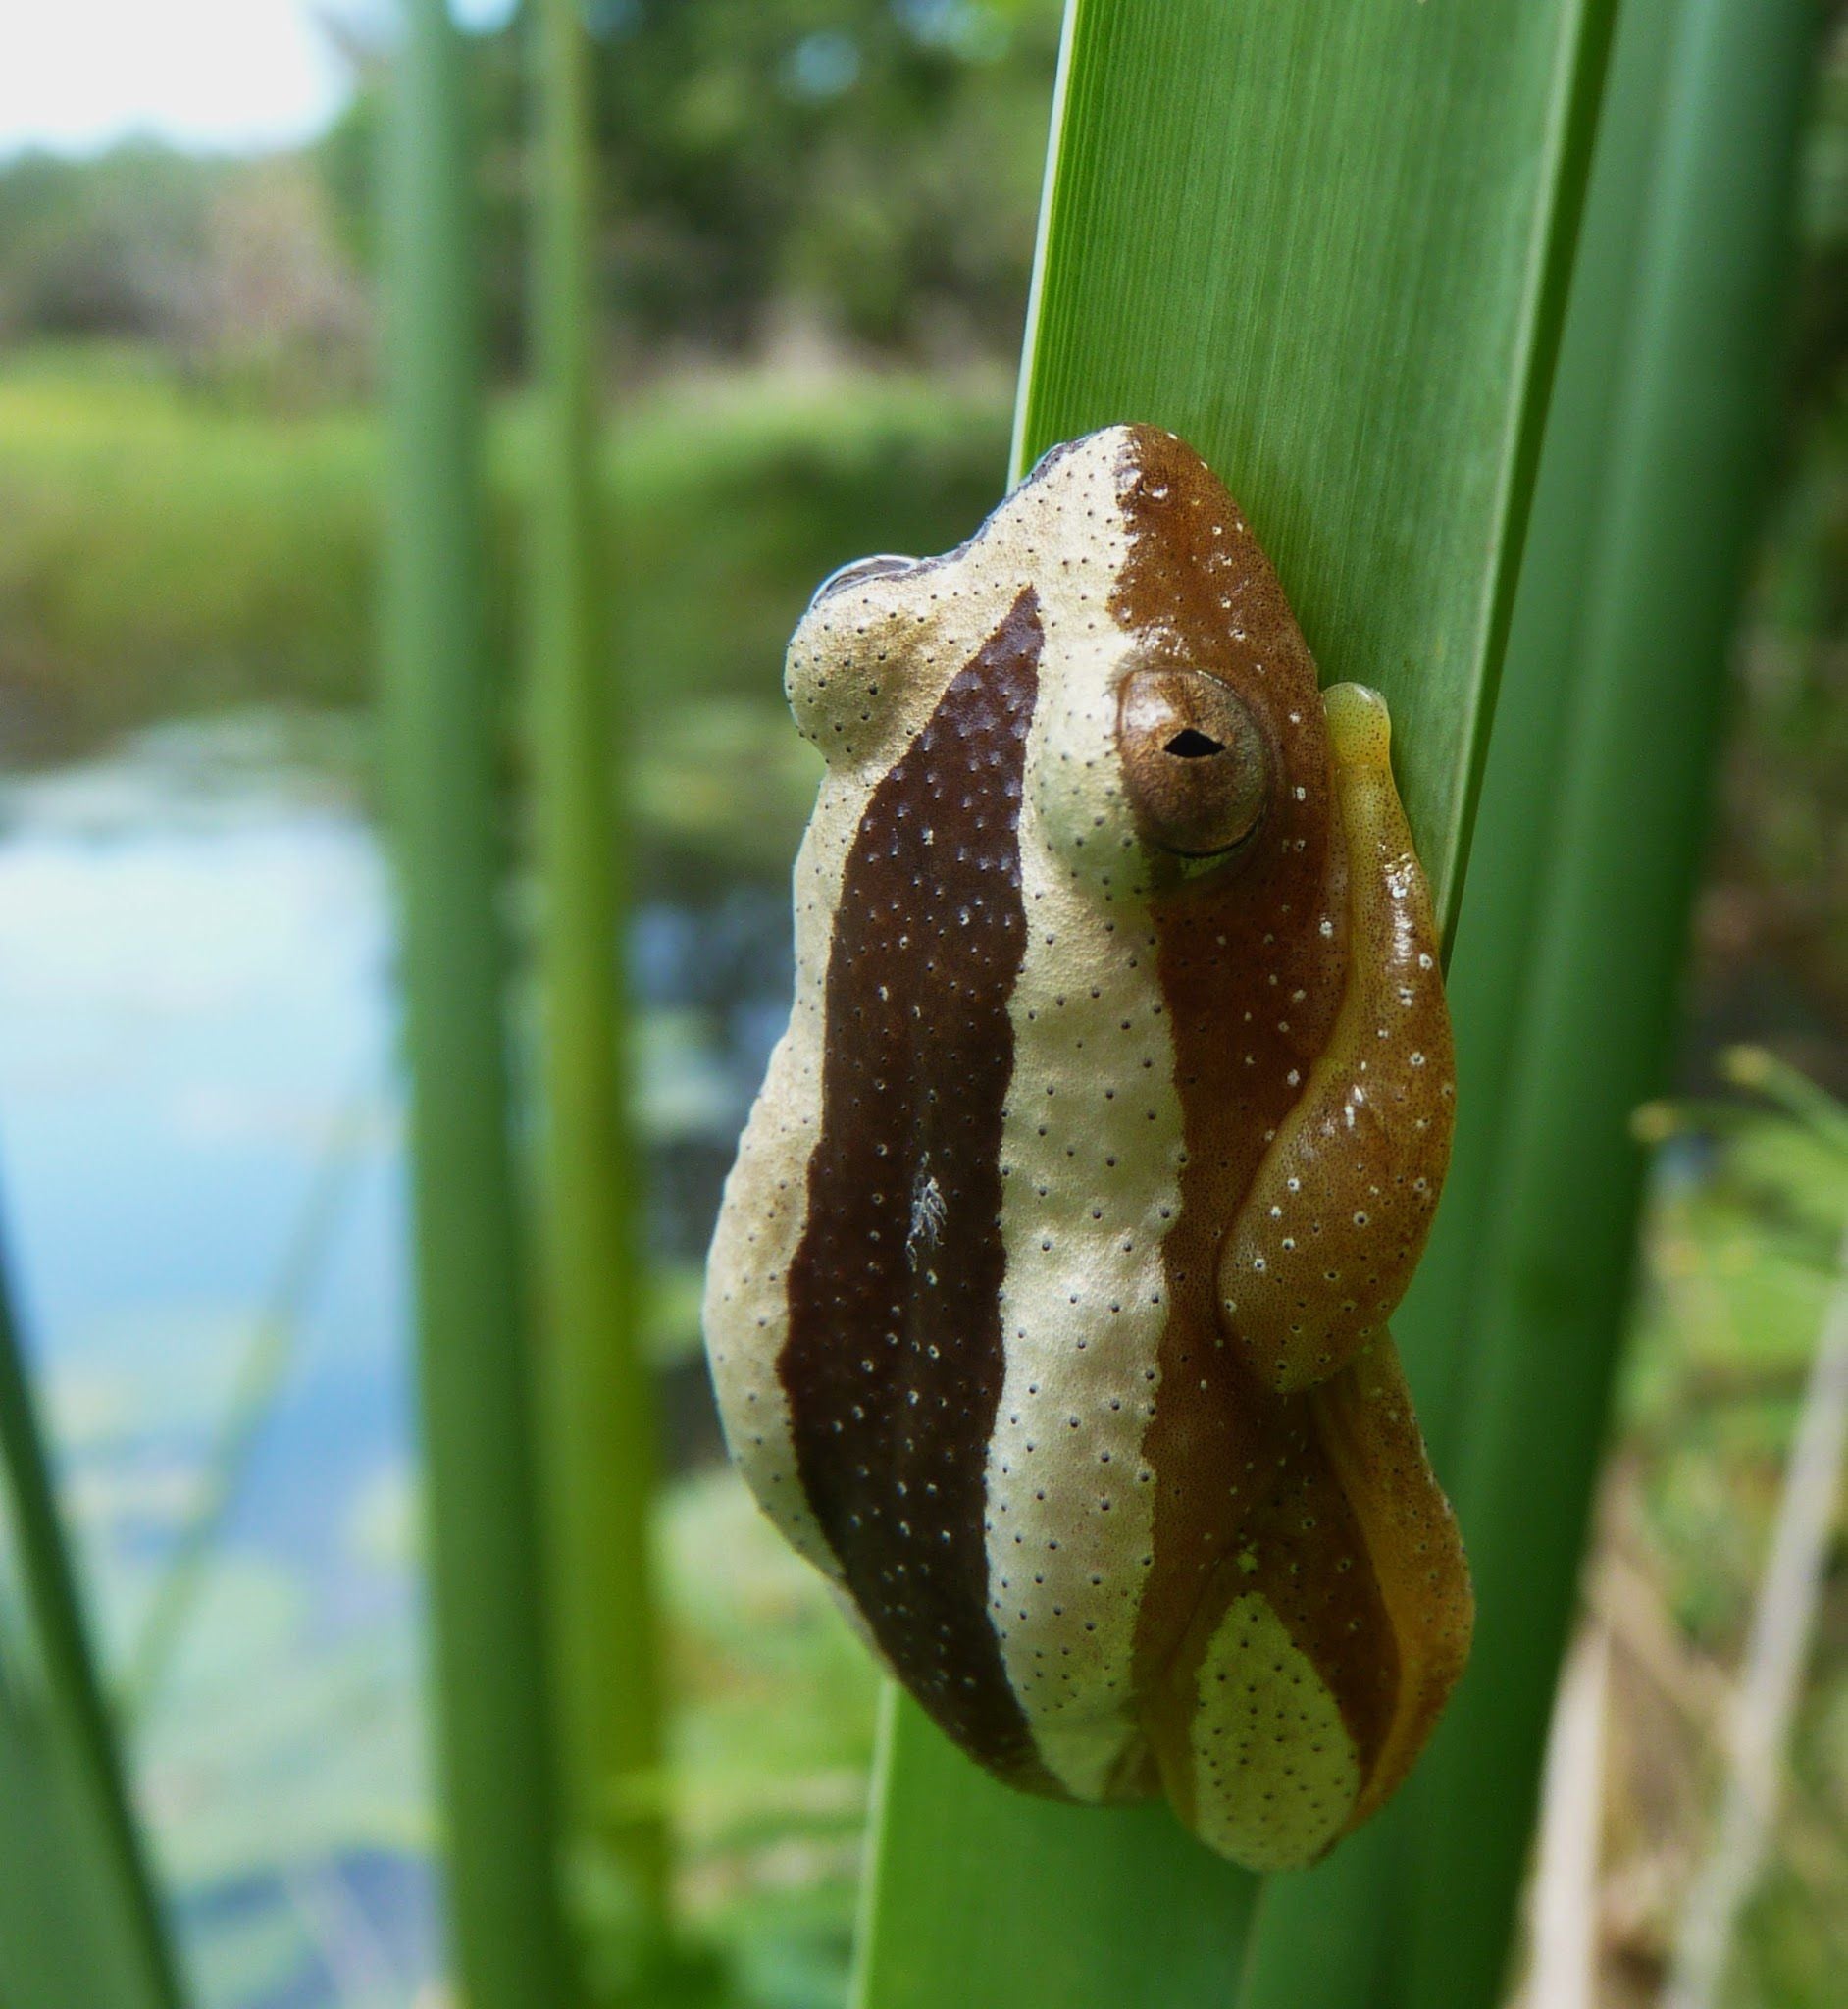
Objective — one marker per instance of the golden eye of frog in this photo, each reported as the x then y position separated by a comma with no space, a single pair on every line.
1047,1308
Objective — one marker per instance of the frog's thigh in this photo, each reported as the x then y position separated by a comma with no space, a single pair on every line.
1370,1434
1250,1743
1327,1238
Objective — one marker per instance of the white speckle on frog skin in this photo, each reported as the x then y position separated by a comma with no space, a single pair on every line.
928,1215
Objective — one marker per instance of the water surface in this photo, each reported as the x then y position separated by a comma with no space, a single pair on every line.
200,1154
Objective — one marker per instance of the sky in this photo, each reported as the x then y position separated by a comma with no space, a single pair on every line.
218,75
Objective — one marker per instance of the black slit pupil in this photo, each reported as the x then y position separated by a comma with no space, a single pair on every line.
1190,745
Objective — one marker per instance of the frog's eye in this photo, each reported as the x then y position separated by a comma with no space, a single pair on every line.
1193,761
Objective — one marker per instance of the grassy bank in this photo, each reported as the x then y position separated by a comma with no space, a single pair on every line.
165,553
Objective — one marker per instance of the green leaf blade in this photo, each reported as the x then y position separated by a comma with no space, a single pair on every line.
981,1890
1326,244
495,1744
1684,454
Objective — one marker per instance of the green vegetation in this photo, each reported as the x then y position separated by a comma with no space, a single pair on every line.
496,1732
600,1425
1674,439
164,553
1742,1243
799,206
162,556
1290,280
855,173
80,1911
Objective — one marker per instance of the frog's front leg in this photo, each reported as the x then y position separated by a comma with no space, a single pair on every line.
1326,1243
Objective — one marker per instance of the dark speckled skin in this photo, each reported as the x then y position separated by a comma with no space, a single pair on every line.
894,1356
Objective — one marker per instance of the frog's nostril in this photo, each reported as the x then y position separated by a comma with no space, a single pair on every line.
1194,745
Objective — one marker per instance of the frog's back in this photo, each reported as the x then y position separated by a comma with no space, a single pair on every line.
964,1307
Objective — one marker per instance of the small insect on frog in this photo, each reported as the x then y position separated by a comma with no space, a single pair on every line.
1047,1303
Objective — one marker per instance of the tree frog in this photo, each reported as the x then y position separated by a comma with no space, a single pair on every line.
1046,1306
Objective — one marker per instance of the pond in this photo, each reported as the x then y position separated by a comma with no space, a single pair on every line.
201,1161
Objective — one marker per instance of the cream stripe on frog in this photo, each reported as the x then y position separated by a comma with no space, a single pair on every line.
1091,1173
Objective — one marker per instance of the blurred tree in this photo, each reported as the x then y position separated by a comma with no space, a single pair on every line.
278,307
864,171
110,246
233,266
873,166
1774,920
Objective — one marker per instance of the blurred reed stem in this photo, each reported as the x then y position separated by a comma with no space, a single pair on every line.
99,1922
598,1413
495,1753
256,1388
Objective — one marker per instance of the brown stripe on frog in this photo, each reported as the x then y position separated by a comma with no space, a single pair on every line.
1252,961
894,1363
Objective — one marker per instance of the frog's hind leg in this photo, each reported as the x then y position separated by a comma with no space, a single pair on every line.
1369,1432
1249,1736
1269,1712
1325,1641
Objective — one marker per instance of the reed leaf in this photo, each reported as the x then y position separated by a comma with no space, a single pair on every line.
1375,1906
1678,455
1327,244
57,1949
81,1921
1354,1907
597,1410
495,1746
